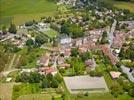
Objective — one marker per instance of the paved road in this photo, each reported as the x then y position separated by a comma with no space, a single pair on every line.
9,37
55,62
126,70
5,73
110,35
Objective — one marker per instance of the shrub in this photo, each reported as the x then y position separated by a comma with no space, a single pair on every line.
86,94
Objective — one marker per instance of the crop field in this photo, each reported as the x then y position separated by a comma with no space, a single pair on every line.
6,91
122,5
20,11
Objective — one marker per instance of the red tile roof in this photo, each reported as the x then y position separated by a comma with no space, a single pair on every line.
106,50
47,70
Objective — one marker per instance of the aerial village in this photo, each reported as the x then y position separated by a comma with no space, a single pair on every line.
92,50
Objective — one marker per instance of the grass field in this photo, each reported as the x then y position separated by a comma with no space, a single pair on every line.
29,58
35,97
25,10
25,89
34,92
122,5
51,33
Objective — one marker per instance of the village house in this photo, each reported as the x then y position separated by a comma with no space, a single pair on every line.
65,39
107,52
55,50
43,27
47,70
66,52
129,24
60,60
53,59
78,42
64,66
44,60
118,39
90,63
115,75
82,49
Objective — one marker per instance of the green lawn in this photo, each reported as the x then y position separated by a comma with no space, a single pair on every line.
35,97
51,33
25,89
122,5
25,10
105,96
34,92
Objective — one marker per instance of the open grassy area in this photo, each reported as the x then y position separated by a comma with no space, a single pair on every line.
35,97
105,96
25,89
51,33
34,92
29,58
122,5
25,10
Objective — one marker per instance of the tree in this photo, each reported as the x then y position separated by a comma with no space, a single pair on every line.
30,23
4,30
76,31
128,53
95,73
58,77
126,86
77,66
49,77
74,52
86,56
39,40
55,42
34,77
104,38
12,28
72,29
65,28
23,77
131,92
116,89
29,42
54,83
45,83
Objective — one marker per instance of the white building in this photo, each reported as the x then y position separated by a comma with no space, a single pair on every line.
65,39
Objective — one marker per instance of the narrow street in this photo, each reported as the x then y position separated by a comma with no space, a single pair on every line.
110,35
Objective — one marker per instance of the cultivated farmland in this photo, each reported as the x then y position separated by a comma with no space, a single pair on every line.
25,10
